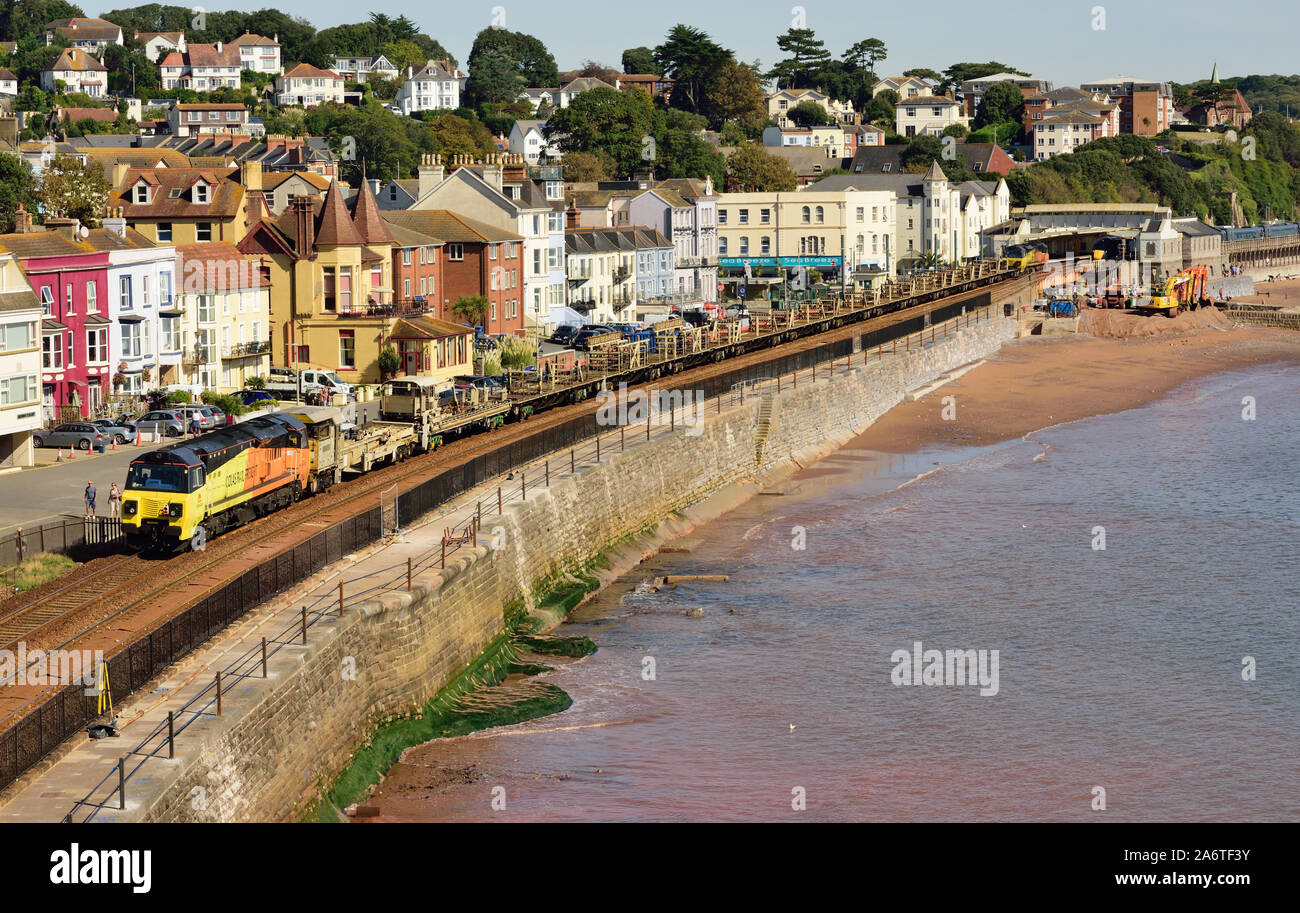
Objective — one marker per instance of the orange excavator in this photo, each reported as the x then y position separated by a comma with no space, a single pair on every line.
1185,289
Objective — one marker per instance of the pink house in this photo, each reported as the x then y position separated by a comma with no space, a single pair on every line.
70,278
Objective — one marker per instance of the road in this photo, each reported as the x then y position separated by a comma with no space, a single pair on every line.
31,495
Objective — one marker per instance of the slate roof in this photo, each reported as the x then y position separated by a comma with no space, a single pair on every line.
448,226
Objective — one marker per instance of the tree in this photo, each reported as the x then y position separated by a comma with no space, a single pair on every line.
455,135
403,54
594,70
526,55
496,79
880,110
641,60
1002,101
808,114
17,187
866,54
736,97
20,20
130,71
473,308
681,154
923,150
808,56
1215,94
70,189
583,167
388,362
616,123
932,76
693,61
753,169
955,130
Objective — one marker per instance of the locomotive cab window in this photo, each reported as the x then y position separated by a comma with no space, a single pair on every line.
158,477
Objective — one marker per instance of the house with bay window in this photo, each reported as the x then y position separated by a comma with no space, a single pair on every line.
221,318
20,365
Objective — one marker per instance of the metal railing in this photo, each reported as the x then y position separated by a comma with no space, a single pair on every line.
80,536
243,349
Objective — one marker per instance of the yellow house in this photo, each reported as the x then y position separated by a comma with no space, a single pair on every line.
173,205
332,308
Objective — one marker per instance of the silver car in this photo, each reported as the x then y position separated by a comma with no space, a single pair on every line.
82,435
162,422
116,431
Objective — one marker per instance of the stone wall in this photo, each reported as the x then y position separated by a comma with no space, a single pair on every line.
278,743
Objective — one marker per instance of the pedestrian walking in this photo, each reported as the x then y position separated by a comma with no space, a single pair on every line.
90,494
114,502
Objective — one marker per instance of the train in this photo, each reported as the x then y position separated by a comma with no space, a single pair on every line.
1021,257
1259,232
183,494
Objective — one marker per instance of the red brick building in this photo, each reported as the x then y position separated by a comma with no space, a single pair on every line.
472,258
417,268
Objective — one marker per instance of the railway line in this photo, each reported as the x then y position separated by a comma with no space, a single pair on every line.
112,605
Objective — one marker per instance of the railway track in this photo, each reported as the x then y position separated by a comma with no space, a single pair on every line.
124,589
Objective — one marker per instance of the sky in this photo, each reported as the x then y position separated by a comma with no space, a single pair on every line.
1174,40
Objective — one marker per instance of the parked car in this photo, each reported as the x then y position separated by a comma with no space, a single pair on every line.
167,422
586,333
564,334
190,410
254,397
221,419
117,430
82,435
489,385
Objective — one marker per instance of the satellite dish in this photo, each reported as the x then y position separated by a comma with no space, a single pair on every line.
85,232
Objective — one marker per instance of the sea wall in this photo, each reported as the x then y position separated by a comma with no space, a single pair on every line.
280,743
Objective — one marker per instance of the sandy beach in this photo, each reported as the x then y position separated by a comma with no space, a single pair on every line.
1279,293
1040,381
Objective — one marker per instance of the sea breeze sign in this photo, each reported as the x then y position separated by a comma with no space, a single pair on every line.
779,261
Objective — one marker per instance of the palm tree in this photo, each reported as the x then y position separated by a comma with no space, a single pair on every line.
473,308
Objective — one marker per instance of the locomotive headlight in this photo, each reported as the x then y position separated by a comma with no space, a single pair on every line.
129,508
174,510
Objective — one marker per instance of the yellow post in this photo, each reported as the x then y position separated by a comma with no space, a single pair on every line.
105,694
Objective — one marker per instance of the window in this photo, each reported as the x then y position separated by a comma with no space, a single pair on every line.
97,346
861,214
806,214
164,288
22,389
765,216
406,289
171,334
126,293
722,246
328,288
347,350
17,336
68,298
47,300
345,288
455,251
766,245
744,217
52,351
141,194
201,192
407,258
821,214
144,291
722,217
207,308
744,245
203,231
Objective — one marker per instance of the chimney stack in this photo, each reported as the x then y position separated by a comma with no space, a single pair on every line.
115,221
571,215
250,175
431,174
304,223
22,221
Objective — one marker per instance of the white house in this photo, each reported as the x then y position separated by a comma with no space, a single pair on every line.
528,139
436,86
307,86
221,318
257,53
780,102
20,364
927,115
201,67
140,287
360,69
86,33
79,71
207,117
905,86
158,45
8,82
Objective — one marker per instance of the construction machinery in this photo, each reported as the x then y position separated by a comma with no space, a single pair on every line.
1184,289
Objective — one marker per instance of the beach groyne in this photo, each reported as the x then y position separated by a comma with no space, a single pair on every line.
280,743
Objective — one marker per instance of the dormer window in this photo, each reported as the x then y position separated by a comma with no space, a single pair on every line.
200,192
141,194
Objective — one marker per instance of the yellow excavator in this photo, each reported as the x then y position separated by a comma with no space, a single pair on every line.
1184,289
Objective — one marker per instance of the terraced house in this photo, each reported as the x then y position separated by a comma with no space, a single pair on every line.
20,365
185,205
220,319
330,271
603,264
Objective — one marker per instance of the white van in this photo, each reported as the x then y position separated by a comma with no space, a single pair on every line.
327,379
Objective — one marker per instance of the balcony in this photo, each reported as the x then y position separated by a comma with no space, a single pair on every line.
415,307
246,349
199,355
622,274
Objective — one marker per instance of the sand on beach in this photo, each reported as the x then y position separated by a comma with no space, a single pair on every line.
1283,293
1041,381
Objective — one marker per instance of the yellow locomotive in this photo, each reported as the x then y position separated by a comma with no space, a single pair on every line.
187,492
